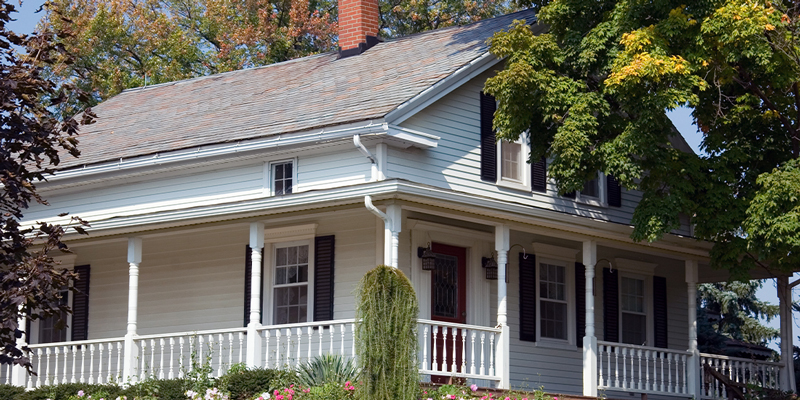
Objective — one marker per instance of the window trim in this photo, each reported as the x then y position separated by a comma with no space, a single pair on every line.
563,257
269,175
523,184
643,271
281,237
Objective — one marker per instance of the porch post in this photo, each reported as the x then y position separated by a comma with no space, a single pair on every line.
785,300
18,374
392,235
131,352
502,238
590,340
693,368
253,337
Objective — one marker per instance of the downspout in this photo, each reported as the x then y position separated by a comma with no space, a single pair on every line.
360,146
391,233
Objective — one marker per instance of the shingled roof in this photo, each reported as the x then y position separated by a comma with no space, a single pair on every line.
307,93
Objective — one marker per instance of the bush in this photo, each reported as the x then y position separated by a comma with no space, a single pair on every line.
249,383
163,389
10,392
327,368
330,391
65,390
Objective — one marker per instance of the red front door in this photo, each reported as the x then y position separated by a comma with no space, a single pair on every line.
448,304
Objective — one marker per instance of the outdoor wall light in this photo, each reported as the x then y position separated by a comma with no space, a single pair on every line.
491,267
428,258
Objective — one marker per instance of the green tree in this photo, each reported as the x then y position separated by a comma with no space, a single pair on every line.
33,141
403,17
593,92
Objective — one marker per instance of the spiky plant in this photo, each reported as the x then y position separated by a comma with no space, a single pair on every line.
327,368
386,336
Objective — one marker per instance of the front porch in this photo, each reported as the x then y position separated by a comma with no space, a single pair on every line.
200,300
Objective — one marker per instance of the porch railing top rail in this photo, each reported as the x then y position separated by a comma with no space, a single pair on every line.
638,347
728,358
189,333
76,343
306,324
459,326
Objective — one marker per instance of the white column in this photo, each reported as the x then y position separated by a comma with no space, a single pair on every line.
589,338
392,235
131,353
693,369
502,239
253,337
18,374
787,381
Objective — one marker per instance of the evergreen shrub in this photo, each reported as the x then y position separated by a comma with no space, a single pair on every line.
10,392
248,383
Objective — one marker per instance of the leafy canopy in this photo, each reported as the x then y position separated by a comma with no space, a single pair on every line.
593,92
33,141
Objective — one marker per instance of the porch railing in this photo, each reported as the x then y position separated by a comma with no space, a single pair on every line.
764,374
445,349
458,350
641,369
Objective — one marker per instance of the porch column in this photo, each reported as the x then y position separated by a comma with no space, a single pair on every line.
590,340
502,238
131,353
787,381
18,374
392,235
693,368
253,337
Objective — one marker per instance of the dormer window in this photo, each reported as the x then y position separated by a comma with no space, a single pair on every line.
282,177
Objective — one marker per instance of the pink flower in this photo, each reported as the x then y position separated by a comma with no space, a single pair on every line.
473,387
80,393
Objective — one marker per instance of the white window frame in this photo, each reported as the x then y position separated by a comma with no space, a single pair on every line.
286,237
564,257
269,175
598,201
525,171
643,271
66,262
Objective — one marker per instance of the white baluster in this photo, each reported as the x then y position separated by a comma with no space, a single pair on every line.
54,379
647,358
119,359
180,356
483,351
491,354
200,343
171,373
230,350
463,351
341,343
661,358
38,366
266,347
241,348
435,360
624,367
142,353
600,377
454,353
101,350
64,378
91,364
330,331
445,332
424,348
353,346
277,348
319,330
472,352
639,380
310,337
299,341
109,374
616,367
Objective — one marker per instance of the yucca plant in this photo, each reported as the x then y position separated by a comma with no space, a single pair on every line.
328,368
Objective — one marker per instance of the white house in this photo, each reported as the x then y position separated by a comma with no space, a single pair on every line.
233,215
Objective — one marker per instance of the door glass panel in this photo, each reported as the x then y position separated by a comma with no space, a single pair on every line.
445,287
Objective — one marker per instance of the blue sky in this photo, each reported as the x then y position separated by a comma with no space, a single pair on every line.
26,20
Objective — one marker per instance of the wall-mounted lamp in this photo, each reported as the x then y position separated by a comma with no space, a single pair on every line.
428,257
491,267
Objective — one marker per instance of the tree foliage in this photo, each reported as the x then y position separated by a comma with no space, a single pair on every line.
732,311
593,92
403,17
386,336
33,141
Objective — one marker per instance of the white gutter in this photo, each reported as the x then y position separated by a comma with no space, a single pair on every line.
391,230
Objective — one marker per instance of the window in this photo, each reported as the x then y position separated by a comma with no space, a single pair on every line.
49,329
511,165
282,177
290,290
553,301
593,191
633,310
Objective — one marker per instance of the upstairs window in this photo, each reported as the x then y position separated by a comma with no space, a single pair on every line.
512,161
282,177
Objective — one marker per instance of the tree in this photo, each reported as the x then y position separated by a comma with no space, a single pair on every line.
732,311
593,92
33,141
403,17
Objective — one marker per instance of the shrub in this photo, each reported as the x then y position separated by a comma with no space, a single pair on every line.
162,389
330,391
327,368
10,392
65,390
386,338
247,384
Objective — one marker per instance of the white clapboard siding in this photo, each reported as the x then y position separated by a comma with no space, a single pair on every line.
455,162
324,171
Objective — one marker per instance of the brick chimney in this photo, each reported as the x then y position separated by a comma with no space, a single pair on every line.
358,26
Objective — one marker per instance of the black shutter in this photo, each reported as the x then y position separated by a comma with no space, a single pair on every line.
580,303
324,247
488,141
539,175
248,271
527,298
660,311
610,305
614,191
80,303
